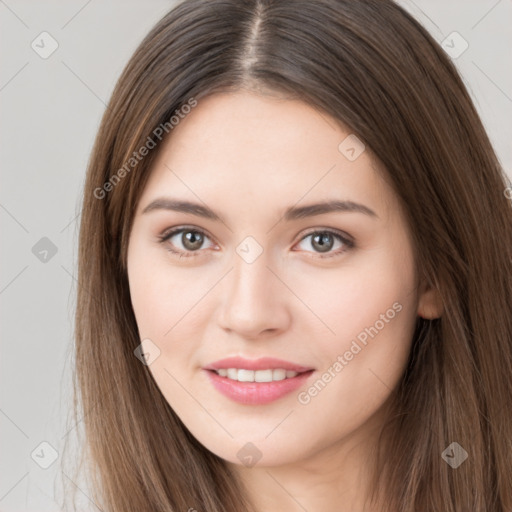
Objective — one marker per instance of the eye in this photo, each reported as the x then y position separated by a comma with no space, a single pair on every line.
323,241
191,240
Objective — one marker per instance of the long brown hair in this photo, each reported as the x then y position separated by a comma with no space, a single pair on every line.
370,65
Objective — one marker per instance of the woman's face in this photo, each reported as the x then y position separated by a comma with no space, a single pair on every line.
316,304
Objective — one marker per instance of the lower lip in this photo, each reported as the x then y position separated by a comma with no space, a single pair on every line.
256,393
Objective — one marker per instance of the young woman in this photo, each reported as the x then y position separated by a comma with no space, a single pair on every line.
295,271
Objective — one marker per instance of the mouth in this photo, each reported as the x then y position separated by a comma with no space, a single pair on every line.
256,382
268,375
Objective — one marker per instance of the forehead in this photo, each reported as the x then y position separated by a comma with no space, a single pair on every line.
245,150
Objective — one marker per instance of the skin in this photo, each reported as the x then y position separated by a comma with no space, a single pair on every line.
248,157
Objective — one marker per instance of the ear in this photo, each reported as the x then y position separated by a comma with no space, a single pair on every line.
430,305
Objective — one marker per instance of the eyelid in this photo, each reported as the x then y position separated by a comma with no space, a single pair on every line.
167,233
342,234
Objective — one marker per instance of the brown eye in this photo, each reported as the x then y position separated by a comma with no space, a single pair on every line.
192,240
186,241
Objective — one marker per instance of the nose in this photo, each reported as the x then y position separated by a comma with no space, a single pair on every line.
254,300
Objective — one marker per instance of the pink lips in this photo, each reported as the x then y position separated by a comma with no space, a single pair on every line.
256,364
256,393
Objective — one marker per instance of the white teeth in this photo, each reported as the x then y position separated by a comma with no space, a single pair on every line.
278,374
269,375
263,376
246,375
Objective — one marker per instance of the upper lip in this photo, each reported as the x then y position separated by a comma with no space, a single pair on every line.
263,363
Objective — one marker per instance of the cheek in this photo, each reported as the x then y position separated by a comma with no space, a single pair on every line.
165,304
369,311
161,295
150,296
352,297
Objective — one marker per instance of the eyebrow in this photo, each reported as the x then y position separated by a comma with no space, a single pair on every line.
291,213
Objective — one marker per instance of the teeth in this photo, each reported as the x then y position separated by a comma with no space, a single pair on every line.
278,374
246,375
243,375
263,376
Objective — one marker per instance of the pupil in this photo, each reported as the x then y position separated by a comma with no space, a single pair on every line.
192,240
321,242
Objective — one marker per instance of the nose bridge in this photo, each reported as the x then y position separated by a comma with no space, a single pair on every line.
252,300
250,280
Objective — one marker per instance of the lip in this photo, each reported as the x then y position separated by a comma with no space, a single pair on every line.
262,363
256,393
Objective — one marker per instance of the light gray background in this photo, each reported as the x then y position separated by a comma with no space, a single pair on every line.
50,111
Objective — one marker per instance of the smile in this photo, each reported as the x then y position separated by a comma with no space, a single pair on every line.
256,382
269,375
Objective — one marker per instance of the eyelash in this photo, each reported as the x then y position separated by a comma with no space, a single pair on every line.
348,244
